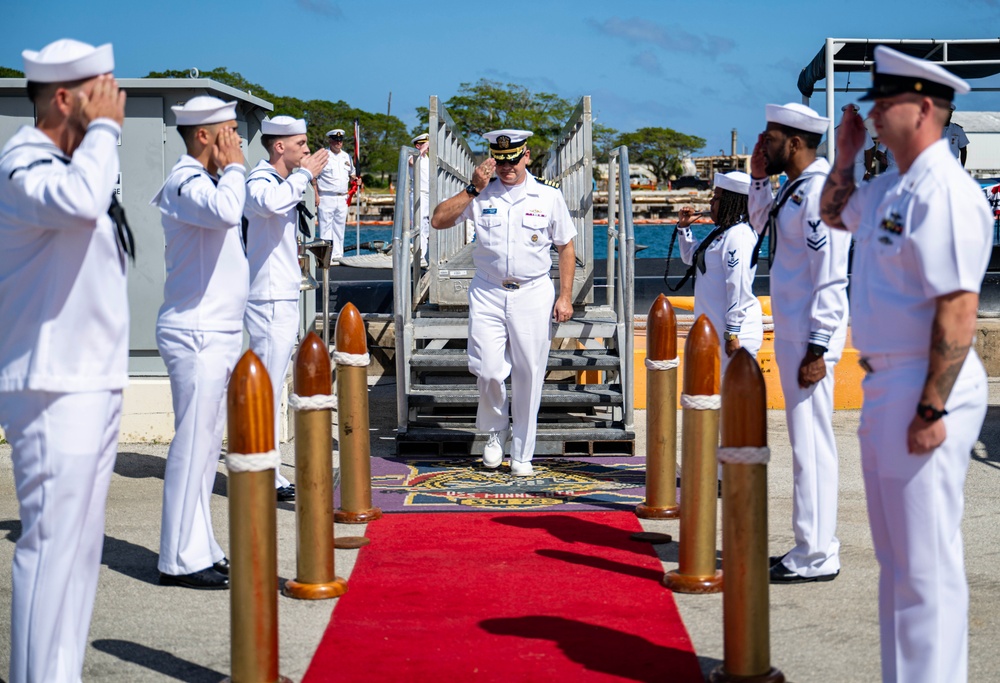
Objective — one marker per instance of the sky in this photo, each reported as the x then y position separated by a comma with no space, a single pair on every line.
701,67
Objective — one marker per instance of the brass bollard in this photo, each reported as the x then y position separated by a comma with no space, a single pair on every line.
316,578
744,456
253,525
352,410
696,572
661,414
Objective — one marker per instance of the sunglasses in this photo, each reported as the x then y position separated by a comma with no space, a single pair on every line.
509,162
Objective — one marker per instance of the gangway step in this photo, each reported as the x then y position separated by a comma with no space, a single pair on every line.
467,442
582,327
562,394
458,359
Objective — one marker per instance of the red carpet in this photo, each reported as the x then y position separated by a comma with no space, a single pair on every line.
505,597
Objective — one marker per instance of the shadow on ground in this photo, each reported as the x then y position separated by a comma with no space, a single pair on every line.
159,661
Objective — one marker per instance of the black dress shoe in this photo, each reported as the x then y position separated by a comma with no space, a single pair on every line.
286,493
781,574
206,579
775,559
222,566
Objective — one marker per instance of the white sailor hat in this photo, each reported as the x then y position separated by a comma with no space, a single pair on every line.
797,116
283,126
895,73
67,60
734,181
335,133
204,110
423,137
507,144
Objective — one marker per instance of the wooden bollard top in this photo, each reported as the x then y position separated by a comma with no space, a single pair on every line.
251,407
661,330
350,334
744,403
312,367
701,359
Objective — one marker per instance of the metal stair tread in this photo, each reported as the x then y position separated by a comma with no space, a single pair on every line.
572,394
562,358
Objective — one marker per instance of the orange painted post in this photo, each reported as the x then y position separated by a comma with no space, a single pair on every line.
744,456
661,413
253,526
352,361
315,577
696,572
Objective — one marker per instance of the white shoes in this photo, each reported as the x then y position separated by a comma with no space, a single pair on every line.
493,450
521,469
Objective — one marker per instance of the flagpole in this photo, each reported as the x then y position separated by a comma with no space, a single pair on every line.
357,170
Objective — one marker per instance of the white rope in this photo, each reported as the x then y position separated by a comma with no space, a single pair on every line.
257,462
744,455
661,364
317,402
700,402
357,360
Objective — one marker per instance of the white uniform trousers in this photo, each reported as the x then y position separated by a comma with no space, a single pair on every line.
809,414
64,448
425,236
510,332
199,364
915,505
273,327
333,221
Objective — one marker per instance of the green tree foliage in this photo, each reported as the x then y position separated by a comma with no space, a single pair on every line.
6,72
381,135
661,148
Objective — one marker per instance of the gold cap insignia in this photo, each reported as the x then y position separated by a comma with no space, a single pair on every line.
503,141
918,86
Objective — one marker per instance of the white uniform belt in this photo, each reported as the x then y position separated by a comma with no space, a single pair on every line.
332,194
880,362
512,282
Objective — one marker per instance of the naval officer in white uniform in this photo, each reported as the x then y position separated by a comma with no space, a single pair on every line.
200,329
923,236
331,187
809,303
725,267
422,143
274,210
517,218
64,350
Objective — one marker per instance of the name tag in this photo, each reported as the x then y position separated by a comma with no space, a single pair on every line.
489,211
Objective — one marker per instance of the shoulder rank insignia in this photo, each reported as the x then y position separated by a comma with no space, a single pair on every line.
550,183
733,260
892,223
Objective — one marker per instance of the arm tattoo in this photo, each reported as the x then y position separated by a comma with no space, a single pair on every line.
952,356
836,192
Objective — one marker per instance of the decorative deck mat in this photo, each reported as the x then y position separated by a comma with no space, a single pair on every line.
443,485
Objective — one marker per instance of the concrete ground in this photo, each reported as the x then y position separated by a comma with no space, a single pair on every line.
142,631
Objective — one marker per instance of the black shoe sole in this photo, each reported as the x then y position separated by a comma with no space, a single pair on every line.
795,578
171,580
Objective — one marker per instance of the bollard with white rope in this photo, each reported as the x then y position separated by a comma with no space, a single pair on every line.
352,362
315,577
696,571
661,413
744,456
253,525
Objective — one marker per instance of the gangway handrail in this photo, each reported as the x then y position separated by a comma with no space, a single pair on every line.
452,163
402,292
621,278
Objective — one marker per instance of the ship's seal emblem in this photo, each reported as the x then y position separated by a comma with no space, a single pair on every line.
503,141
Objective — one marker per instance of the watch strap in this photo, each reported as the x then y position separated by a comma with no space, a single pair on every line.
929,413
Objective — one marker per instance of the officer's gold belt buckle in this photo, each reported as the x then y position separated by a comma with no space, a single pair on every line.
866,366
510,284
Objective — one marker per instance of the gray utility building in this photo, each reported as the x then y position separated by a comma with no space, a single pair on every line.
150,146
983,130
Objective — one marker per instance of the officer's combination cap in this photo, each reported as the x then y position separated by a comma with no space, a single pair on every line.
895,73
797,116
507,144
734,181
283,126
423,137
203,111
67,60
335,133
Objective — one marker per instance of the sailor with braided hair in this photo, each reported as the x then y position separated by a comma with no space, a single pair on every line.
724,265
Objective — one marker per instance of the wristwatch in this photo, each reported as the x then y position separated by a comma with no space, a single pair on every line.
816,350
729,336
471,190
929,413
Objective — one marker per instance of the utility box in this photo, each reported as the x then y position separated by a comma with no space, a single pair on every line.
149,148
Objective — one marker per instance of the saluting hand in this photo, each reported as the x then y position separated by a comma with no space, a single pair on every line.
105,101
850,136
758,164
484,171
227,149
685,216
315,163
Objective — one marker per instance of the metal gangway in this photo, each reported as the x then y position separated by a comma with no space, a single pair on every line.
587,402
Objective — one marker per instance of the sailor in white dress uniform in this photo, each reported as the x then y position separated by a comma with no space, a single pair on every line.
274,211
200,329
512,301
809,305
725,267
64,350
924,237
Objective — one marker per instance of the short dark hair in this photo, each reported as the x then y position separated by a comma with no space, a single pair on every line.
187,133
42,91
269,140
812,140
